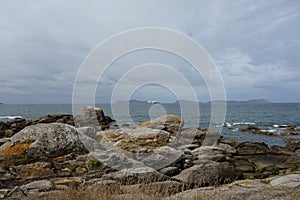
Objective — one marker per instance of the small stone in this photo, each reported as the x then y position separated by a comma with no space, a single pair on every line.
8,133
81,170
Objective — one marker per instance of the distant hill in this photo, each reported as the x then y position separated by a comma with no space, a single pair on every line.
185,101
136,101
251,101
140,101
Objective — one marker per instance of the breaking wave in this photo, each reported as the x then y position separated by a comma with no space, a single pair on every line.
10,117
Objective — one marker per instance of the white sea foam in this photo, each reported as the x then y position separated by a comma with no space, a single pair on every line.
243,123
280,126
224,125
10,117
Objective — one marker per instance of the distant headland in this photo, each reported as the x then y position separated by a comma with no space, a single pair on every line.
250,101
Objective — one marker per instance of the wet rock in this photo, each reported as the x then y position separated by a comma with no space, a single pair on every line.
257,130
291,130
44,140
169,123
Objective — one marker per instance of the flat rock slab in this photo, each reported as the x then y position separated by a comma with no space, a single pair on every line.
290,181
135,175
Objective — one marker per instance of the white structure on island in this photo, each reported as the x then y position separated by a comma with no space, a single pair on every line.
152,102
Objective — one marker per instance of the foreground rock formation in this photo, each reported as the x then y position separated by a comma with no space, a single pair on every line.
90,116
158,157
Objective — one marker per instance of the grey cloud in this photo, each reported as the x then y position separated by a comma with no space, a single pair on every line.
254,43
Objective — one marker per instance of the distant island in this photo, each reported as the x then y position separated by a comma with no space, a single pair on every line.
139,101
185,101
250,101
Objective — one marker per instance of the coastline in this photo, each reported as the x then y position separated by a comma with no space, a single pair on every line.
51,154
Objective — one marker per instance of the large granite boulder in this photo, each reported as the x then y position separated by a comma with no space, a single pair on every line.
169,123
44,140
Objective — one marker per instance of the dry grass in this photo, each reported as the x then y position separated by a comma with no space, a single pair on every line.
92,194
136,192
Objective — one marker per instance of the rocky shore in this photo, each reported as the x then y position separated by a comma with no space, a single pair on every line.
61,155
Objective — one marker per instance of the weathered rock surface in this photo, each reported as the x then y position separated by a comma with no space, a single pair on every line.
169,123
290,181
55,156
135,140
194,136
50,140
211,173
94,117
252,148
39,186
163,156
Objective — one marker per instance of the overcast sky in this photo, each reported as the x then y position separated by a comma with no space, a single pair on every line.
255,44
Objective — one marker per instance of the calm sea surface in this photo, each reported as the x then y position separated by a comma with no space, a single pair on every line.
238,116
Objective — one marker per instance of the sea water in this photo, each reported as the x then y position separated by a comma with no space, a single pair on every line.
268,116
